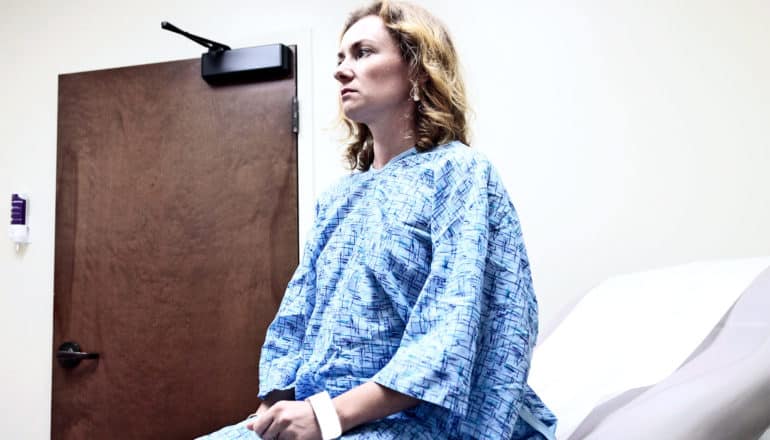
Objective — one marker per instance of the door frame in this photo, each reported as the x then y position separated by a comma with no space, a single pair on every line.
306,183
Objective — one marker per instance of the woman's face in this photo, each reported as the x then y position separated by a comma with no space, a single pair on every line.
374,79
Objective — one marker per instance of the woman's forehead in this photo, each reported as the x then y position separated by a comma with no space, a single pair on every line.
370,28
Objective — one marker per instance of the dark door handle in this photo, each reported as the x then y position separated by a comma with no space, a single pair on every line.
70,355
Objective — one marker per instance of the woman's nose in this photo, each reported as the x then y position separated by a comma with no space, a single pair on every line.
343,73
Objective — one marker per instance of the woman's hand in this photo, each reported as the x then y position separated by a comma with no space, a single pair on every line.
287,420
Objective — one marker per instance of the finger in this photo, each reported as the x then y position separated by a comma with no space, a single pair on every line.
278,424
261,423
250,421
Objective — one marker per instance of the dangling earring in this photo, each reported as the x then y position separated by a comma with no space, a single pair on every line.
415,92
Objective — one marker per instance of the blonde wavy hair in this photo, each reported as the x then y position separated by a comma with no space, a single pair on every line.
425,45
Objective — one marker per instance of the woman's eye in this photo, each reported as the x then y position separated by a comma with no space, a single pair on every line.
358,53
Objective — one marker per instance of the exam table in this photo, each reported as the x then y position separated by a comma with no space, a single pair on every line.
673,353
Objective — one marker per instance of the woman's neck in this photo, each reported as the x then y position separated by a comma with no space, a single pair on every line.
392,137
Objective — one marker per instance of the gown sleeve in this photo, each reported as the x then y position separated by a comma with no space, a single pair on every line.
281,352
469,336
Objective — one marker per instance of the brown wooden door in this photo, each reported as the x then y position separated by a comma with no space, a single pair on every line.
176,233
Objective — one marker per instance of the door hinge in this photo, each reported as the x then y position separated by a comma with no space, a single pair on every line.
294,115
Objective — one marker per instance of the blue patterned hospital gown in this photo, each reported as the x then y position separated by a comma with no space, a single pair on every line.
415,276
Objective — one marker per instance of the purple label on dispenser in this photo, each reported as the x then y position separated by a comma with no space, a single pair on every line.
18,210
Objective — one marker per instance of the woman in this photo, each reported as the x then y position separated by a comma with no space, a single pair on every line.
413,305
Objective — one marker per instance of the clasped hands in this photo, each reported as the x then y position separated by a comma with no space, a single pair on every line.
286,420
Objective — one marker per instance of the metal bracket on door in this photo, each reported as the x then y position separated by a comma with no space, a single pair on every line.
294,115
222,65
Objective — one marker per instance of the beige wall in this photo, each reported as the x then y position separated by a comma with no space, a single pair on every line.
629,135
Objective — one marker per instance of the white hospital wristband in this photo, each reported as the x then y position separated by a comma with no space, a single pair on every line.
326,415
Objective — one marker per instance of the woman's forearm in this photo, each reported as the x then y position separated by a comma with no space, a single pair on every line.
369,402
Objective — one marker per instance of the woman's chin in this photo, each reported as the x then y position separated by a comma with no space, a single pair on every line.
354,114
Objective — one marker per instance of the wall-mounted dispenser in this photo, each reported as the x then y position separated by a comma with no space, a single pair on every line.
18,231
